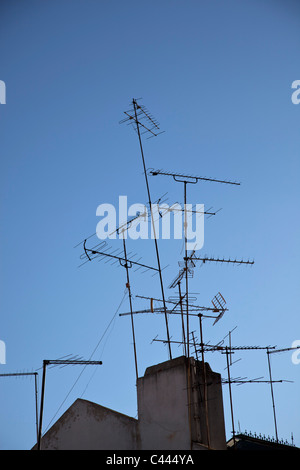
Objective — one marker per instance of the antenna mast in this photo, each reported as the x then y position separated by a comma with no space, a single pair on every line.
135,115
187,179
35,374
47,362
273,351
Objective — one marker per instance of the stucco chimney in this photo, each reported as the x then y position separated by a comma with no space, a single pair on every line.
172,410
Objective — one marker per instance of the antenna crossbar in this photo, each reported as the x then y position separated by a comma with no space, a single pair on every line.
221,260
190,178
123,261
47,362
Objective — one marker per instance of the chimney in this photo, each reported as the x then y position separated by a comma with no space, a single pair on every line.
177,411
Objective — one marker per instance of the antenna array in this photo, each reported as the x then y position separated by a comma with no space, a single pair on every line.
183,304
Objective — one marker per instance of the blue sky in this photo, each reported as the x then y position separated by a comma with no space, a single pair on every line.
217,75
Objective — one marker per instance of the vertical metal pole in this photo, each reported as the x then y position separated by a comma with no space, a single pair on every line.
153,225
130,302
182,319
204,381
187,318
186,275
189,396
36,406
272,394
230,347
42,405
230,396
194,343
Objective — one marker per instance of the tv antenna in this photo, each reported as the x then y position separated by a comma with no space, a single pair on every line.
145,123
126,262
92,253
274,351
56,362
185,180
25,374
228,350
221,260
202,347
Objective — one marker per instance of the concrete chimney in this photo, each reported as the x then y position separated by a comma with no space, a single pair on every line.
177,411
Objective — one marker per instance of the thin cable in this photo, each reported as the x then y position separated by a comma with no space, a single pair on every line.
101,354
82,370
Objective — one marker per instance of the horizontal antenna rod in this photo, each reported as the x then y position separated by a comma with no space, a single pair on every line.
195,307
170,341
254,381
78,362
15,374
283,350
161,310
219,260
191,177
235,348
127,262
209,347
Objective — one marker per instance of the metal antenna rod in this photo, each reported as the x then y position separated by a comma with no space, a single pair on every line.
122,260
159,310
186,272
130,303
204,380
182,320
17,374
191,178
272,381
230,396
194,344
283,350
218,260
42,406
194,308
135,106
47,362
272,394
187,179
212,348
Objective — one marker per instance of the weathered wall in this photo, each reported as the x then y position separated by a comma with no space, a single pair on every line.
171,415
171,407
88,426
162,406
209,424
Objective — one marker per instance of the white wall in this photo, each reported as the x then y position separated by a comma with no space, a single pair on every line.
88,426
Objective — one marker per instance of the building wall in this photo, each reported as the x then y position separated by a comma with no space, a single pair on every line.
171,407
171,415
162,406
88,426
209,423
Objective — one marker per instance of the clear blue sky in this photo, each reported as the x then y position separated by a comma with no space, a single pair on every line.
217,75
